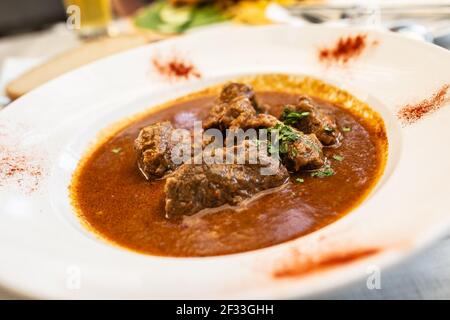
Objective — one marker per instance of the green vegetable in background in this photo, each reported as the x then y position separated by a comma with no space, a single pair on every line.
165,18
176,16
204,15
149,17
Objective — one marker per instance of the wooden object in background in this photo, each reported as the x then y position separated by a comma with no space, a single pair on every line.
67,61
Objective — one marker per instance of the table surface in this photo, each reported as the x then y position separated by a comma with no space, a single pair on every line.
424,276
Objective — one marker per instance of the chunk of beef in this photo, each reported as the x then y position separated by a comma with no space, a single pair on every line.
306,152
214,118
235,90
194,187
230,115
237,101
237,112
296,149
260,121
317,122
153,149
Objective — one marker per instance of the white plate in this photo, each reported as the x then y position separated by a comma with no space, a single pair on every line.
44,252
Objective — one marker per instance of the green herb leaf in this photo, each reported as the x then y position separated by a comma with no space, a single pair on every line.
291,117
346,129
338,157
299,180
325,171
285,133
284,147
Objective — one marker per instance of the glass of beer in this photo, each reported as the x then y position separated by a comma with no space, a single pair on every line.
90,18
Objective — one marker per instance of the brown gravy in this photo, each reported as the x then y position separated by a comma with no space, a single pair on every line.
115,201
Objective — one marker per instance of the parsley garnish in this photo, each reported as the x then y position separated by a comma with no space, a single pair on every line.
290,117
284,147
285,134
299,180
325,171
288,134
338,157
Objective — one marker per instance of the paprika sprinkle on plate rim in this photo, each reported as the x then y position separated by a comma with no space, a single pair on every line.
412,113
345,49
175,67
19,167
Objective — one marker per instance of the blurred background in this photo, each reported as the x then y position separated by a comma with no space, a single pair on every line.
40,40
